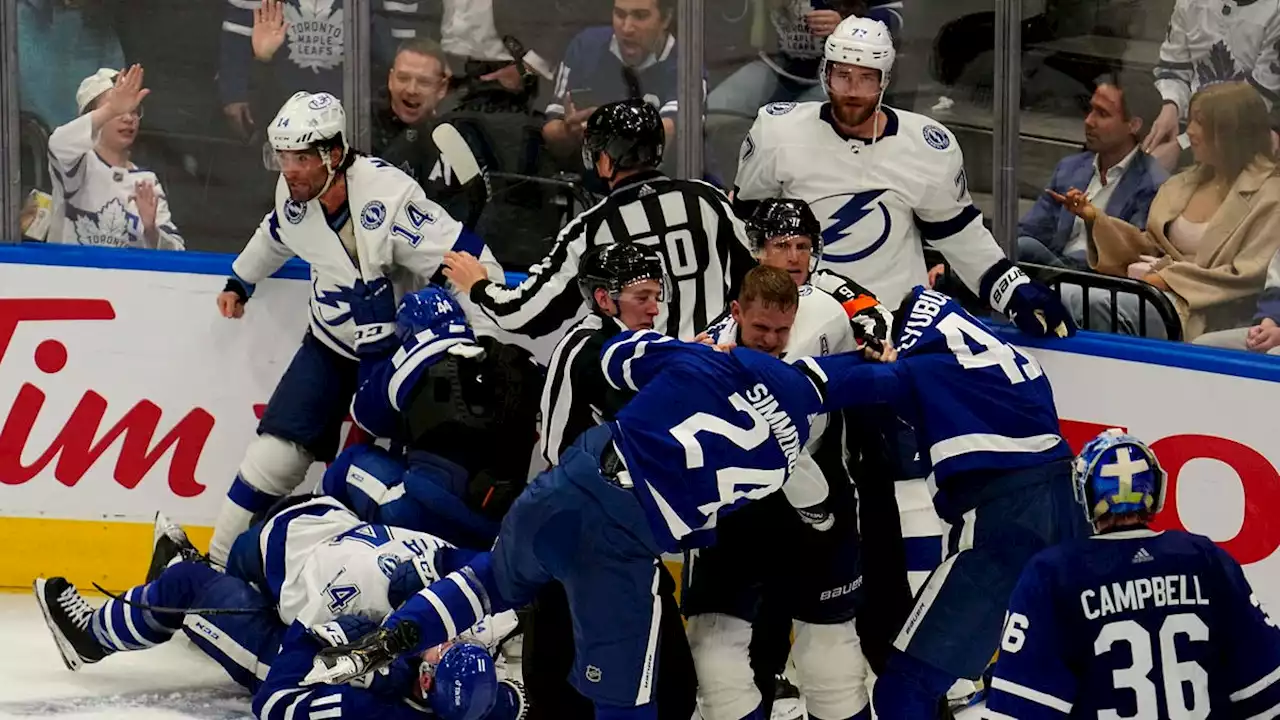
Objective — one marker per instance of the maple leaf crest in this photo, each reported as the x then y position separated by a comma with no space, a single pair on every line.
1218,66
108,226
315,34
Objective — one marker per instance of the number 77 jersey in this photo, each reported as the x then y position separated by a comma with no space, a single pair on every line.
1136,624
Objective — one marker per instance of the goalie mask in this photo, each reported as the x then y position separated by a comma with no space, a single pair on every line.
1117,474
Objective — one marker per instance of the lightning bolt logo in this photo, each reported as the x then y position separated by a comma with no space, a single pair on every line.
335,299
842,221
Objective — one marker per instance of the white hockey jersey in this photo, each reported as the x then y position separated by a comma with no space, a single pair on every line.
95,203
821,328
1213,41
876,201
322,561
390,229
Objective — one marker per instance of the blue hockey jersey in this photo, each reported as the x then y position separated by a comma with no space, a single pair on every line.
1136,624
980,407
710,430
592,74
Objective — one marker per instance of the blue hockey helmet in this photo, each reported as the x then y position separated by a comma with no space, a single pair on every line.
465,685
431,308
1115,474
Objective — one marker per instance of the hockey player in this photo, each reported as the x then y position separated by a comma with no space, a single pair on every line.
706,432
369,234
237,626
988,423
883,180
689,223
100,198
793,554
1133,622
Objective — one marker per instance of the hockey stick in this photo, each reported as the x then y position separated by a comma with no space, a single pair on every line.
180,611
457,152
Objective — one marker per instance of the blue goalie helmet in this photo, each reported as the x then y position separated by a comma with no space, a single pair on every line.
466,684
1116,473
431,309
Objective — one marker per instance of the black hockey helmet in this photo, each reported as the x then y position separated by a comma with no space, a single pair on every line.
630,131
614,267
784,217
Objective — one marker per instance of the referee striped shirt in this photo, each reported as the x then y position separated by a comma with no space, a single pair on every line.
689,223
575,396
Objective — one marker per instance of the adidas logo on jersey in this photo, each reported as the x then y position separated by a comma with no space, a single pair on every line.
1142,556
646,191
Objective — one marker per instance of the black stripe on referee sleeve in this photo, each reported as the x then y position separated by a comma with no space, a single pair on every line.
946,228
560,390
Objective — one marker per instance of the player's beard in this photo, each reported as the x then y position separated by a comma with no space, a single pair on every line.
853,111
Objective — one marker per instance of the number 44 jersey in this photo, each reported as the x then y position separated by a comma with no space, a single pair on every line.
1136,624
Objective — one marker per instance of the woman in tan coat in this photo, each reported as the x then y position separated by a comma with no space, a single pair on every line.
1211,231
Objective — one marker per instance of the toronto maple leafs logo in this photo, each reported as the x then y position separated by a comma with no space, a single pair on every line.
110,226
315,34
1218,66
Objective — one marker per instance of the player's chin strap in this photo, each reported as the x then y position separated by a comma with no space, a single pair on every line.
180,611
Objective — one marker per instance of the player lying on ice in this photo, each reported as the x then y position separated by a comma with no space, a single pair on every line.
313,560
706,431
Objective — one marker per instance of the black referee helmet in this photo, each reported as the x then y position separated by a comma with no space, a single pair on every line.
630,132
616,266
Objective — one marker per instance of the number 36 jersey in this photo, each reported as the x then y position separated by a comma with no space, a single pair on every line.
1136,624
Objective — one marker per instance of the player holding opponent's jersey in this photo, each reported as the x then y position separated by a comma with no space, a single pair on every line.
881,181
370,234
1133,622
706,432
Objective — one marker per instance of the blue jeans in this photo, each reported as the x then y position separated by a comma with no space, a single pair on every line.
1033,251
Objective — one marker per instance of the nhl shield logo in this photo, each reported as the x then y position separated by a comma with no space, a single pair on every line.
593,673
373,215
936,137
294,211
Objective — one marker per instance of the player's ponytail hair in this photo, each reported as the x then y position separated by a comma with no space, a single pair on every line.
771,286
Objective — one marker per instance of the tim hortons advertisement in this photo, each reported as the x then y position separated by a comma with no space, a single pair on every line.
123,392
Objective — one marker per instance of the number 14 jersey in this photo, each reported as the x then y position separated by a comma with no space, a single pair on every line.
1136,624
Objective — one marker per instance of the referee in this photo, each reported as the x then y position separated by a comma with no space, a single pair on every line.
623,286
689,223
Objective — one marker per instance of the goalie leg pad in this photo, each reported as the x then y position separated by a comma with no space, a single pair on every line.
831,670
726,685
272,468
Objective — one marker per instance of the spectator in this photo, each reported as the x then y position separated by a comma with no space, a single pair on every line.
790,73
473,37
1264,334
1211,41
47,72
99,196
1117,174
403,120
634,58
256,78
1212,228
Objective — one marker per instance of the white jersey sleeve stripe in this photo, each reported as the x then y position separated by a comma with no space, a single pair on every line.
1034,696
1257,687
445,616
986,442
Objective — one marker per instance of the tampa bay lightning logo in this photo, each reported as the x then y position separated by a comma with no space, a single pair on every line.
338,299
373,215
387,564
294,211
936,137
780,108
856,217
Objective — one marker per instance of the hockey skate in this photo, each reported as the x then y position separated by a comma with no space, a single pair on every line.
169,542
68,614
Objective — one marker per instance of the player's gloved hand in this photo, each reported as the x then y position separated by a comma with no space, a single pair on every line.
1034,308
344,663
373,309
410,577
391,680
817,517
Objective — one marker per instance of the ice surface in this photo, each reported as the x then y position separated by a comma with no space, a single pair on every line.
171,682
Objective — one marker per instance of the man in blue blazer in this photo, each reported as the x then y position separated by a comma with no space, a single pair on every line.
1113,171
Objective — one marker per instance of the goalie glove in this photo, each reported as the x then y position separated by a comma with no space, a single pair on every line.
1034,308
341,664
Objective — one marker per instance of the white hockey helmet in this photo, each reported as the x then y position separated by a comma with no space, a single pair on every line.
863,42
307,119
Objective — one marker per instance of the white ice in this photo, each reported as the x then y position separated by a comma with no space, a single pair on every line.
171,682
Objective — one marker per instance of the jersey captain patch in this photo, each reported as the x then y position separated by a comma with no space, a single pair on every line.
936,137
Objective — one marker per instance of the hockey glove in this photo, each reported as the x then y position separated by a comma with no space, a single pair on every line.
410,577
344,663
373,309
1034,308
390,681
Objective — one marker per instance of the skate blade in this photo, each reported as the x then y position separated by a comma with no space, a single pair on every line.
70,657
